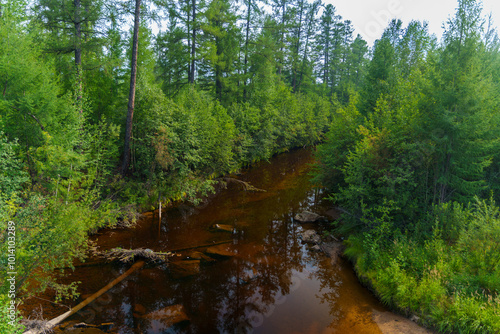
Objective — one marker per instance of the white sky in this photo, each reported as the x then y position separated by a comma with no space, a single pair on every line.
371,17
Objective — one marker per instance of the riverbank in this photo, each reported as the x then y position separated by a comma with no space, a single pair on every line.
387,321
272,282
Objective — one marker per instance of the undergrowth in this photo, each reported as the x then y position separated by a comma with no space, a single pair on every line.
450,279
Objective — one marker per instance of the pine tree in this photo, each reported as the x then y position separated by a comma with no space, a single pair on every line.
461,121
220,50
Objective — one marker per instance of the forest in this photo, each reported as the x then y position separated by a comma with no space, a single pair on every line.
102,116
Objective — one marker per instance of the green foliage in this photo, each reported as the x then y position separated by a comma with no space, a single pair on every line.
429,135
30,102
12,175
61,118
219,48
51,234
6,323
181,144
334,152
454,286
411,173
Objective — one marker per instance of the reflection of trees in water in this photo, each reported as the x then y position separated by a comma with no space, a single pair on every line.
246,287
348,307
234,295
329,291
237,294
261,275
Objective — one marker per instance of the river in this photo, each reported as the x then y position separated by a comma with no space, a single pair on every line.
273,283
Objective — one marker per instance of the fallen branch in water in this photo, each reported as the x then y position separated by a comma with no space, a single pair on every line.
52,323
129,255
245,185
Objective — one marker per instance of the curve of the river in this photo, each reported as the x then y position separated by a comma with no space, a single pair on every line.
271,283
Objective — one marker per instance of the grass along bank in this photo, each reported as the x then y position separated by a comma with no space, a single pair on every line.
449,279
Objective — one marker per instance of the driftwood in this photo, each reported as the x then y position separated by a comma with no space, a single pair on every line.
54,322
245,185
128,255
37,326
123,255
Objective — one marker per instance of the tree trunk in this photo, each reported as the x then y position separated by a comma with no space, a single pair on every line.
131,96
280,64
193,42
310,25
297,48
327,60
246,49
78,54
188,26
218,69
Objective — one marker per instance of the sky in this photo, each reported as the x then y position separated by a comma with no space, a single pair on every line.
371,17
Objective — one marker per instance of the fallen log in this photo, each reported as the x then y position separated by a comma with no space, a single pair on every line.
54,322
245,185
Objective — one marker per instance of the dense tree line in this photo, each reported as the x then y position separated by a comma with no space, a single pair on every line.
410,152
413,161
99,117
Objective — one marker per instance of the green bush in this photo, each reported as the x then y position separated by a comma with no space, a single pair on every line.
8,323
453,285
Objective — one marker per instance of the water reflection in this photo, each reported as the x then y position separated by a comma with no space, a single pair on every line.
272,284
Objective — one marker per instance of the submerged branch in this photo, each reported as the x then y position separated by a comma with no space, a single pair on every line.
245,185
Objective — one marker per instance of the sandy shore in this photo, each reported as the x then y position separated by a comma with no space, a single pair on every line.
391,323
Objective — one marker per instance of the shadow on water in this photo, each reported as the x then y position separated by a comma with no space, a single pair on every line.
272,283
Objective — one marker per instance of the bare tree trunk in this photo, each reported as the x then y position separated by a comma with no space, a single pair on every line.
188,26
131,96
297,48
193,42
281,61
218,69
78,54
304,58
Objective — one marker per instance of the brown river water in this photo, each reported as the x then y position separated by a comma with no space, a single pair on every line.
273,284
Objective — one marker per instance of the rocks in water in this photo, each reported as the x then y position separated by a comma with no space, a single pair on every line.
222,228
333,250
182,269
316,248
139,309
220,251
169,315
200,256
310,237
309,217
